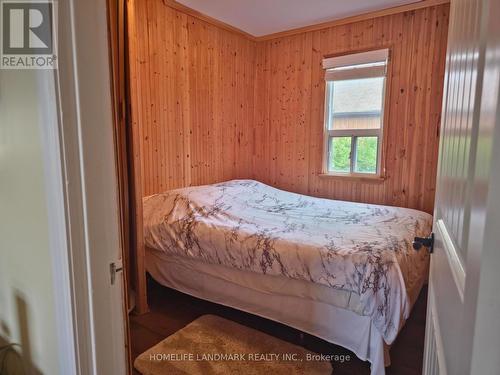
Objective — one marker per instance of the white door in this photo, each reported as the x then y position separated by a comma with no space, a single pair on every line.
464,250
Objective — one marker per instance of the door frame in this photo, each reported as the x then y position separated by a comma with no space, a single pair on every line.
82,196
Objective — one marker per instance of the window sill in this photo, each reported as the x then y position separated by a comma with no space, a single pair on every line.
353,177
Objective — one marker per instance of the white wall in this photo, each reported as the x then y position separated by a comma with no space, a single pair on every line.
25,263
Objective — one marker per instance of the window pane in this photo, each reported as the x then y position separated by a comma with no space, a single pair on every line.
366,155
340,154
356,103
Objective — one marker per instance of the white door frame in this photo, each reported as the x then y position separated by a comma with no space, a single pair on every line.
81,184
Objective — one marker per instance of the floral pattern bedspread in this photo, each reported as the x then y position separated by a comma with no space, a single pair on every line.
245,224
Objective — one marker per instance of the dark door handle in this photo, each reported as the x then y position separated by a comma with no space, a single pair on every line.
427,242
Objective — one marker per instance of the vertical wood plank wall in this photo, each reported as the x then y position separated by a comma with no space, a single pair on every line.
212,105
191,96
289,108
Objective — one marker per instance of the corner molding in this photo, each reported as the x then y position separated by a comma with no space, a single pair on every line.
314,27
194,13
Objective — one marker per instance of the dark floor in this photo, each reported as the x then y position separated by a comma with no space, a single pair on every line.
172,310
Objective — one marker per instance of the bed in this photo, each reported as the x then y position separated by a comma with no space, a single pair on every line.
342,271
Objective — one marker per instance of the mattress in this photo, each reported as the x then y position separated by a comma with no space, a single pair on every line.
360,254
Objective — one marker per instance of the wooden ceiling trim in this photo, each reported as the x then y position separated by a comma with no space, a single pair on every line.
353,19
337,22
194,13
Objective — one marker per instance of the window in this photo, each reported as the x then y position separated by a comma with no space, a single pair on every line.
355,92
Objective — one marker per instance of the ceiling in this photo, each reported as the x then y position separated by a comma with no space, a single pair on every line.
262,17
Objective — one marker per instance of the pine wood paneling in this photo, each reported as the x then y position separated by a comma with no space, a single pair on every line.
191,97
289,108
210,104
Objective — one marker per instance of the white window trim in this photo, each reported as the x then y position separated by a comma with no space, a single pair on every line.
337,62
367,57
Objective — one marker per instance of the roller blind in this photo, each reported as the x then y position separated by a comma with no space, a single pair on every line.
356,65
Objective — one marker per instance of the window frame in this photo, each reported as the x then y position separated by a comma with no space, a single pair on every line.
328,133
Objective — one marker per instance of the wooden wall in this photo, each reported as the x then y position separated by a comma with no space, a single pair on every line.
289,108
191,97
210,104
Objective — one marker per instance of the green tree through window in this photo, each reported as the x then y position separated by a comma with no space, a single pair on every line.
366,155
340,160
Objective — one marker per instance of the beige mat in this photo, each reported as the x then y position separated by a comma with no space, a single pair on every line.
213,345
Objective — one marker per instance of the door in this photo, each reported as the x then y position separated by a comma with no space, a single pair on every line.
465,200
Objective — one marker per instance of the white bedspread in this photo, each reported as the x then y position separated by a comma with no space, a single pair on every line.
244,224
